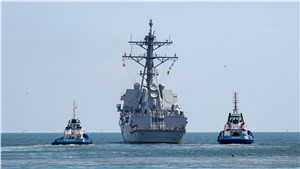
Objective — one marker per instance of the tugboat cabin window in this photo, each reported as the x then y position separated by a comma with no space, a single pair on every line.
235,119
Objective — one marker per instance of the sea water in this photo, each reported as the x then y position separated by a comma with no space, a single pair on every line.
197,150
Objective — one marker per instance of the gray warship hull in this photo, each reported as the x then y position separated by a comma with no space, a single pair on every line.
151,135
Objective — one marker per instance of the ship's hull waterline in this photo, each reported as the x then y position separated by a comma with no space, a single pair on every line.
79,141
235,139
151,135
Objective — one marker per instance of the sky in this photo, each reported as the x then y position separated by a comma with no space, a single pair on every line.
57,52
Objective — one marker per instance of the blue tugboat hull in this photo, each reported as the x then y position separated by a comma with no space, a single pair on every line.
235,139
62,141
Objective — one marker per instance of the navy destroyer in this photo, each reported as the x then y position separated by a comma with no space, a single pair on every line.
235,130
149,113
73,133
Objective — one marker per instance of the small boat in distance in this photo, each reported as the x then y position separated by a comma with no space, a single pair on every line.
73,133
235,130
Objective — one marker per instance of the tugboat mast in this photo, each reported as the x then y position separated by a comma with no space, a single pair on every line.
149,44
235,101
74,107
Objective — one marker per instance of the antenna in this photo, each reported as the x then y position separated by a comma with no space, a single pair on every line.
150,24
235,101
74,107
131,45
150,45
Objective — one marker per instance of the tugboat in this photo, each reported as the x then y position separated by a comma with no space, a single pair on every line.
149,113
73,133
235,130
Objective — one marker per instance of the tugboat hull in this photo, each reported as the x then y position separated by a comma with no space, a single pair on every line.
61,141
235,139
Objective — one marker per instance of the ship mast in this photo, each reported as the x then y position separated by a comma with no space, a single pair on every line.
149,44
74,107
235,101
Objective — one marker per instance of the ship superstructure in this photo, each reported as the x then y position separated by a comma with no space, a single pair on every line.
149,113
